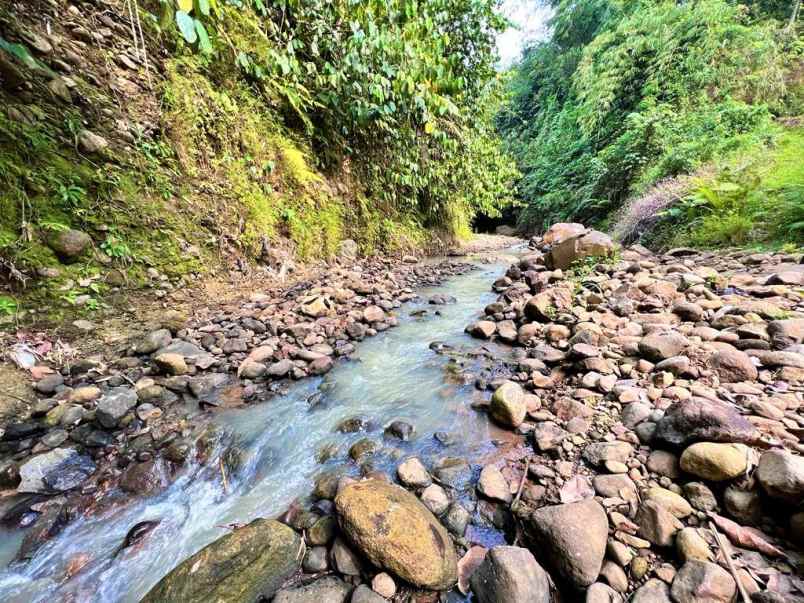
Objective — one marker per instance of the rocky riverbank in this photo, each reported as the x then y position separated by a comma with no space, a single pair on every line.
124,421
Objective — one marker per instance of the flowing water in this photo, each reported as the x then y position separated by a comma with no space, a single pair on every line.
395,376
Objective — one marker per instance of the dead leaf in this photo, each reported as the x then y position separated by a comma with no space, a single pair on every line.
746,537
576,489
467,566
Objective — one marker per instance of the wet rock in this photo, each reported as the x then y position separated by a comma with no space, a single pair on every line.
396,532
508,406
400,429
715,461
69,245
700,419
510,574
362,448
9,474
58,470
457,519
413,474
781,475
435,498
246,565
323,530
144,479
324,590
733,366
114,405
572,538
482,329
493,485
701,581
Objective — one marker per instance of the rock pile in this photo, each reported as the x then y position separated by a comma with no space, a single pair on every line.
661,396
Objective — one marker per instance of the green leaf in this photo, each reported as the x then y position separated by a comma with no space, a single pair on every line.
186,26
203,6
203,38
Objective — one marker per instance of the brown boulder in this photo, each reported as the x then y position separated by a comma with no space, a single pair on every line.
591,245
571,538
396,532
701,419
733,366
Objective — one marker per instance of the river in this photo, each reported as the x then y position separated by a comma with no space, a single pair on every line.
395,375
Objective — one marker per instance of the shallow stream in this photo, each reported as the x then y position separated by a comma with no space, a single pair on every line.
394,375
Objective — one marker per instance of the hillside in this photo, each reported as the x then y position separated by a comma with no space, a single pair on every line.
137,152
670,123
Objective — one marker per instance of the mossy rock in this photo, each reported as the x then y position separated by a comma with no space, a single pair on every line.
245,566
69,245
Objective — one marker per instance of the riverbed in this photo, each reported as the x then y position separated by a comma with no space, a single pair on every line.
394,376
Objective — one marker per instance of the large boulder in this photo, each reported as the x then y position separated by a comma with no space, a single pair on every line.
510,574
508,406
781,475
700,419
59,470
69,245
561,231
396,532
570,538
246,565
591,245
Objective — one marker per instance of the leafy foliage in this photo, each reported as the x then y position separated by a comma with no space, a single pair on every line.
629,92
406,86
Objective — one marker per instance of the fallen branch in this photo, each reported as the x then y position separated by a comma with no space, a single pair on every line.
723,544
521,485
223,477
